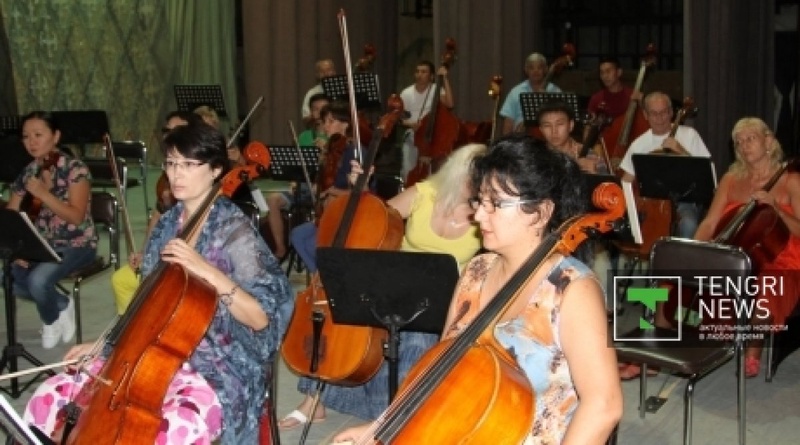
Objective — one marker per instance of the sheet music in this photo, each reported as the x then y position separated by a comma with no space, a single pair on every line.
15,426
633,213
28,221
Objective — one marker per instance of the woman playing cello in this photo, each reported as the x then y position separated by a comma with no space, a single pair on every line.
556,331
219,392
758,158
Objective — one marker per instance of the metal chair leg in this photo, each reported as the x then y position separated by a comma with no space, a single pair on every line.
687,410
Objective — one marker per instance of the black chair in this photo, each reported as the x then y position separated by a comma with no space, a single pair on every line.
103,175
781,344
250,210
105,215
135,151
690,356
388,186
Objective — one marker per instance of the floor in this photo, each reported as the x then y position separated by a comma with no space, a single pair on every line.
773,409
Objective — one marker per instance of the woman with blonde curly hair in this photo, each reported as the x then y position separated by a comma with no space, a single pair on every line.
758,158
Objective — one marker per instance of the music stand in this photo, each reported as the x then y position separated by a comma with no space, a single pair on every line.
532,102
676,178
15,158
285,163
366,86
189,97
19,239
397,291
82,127
10,125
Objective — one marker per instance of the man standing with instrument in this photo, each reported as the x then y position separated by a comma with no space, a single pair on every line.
417,101
536,70
615,95
686,142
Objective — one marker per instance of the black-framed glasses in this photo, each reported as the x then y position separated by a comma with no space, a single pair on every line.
490,206
190,165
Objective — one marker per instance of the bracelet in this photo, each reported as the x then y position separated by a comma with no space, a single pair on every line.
227,297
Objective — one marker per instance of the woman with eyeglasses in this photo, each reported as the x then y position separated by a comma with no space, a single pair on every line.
218,393
55,191
556,328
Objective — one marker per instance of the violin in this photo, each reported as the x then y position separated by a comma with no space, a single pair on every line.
168,317
439,130
498,407
313,345
31,204
629,126
593,125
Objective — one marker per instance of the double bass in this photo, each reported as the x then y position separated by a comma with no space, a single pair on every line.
484,132
438,131
433,406
314,346
624,129
167,318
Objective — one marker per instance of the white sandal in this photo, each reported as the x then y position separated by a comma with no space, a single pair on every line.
299,418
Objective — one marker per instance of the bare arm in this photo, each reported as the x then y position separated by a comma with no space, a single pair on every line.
404,201
705,231
592,364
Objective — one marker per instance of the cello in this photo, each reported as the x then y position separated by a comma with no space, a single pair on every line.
438,130
167,318
498,407
629,126
314,346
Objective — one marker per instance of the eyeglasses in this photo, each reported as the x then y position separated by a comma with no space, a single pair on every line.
170,164
489,206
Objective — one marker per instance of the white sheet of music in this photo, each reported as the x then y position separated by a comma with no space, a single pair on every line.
633,214
28,221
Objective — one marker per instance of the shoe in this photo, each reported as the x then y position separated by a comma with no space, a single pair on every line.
633,371
295,419
51,334
752,366
67,320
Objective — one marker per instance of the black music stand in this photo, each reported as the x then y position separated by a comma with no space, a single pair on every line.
285,163
81,128
10,125
532,102
366,86
397,291
15,158
676,178
189,97
18,240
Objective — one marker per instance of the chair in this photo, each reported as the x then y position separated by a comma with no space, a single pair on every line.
388,186
105,214
690,356
781,344
135,151
250,210
103,175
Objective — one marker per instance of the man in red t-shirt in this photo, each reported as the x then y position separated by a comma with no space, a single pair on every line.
615,95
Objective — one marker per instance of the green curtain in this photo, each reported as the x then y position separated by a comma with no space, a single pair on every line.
202,36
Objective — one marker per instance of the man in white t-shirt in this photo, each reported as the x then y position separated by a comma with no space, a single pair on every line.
417,100
687,142
325,68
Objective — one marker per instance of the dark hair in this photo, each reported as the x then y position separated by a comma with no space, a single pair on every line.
45,116
316,97
201,142
609,59
523,166
187,116
339,110
429,64
556,106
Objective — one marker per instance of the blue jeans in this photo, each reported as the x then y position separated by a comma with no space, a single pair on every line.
304,240
689,218
38,281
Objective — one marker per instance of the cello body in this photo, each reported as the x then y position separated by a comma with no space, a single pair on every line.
347,355
502,392
763,235
129,410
